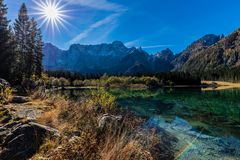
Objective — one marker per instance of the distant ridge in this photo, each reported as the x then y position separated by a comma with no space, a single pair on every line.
105,58
209,53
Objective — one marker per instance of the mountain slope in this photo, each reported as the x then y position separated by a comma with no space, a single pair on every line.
137,61
223,55
51,56
196,47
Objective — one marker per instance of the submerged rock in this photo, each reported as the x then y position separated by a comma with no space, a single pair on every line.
192,144
181,124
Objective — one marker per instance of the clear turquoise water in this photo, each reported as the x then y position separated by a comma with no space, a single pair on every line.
213,112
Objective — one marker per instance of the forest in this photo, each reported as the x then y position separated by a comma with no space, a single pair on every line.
20,47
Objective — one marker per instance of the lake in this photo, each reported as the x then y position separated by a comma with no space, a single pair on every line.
207,121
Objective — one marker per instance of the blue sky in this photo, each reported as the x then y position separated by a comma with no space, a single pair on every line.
151,24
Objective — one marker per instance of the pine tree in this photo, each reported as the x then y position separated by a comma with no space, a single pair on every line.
39,54
23,41
6,46
36,45
32,43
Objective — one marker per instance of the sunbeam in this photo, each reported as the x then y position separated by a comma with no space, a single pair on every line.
51,13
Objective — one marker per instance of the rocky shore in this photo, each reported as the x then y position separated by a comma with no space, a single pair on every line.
20,138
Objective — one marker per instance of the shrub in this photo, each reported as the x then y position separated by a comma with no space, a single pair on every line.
40,82
87,82
103,99
55,82
78,83
114,80
45,78
63,82
5,94
8,92
150,82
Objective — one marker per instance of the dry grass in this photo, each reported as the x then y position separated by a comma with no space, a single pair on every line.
82,139
125,147
51,117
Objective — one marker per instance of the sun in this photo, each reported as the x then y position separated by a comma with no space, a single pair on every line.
51,13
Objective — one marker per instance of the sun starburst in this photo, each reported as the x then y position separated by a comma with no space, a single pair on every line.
51,13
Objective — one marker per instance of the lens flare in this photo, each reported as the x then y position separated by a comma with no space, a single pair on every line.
51,13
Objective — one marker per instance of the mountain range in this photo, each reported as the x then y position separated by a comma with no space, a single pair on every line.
209,53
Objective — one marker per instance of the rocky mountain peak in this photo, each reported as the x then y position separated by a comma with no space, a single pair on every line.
118,44
166,54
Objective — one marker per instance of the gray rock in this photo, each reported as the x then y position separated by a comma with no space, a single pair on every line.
108,119
22,141
19,99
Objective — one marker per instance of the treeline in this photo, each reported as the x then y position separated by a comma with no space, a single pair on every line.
230,75
20,47
170,79
178,78
72,75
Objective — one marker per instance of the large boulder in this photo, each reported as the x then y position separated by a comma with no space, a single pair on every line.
21,141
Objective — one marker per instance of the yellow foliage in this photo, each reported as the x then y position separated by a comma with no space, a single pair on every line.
8,92
45,78
5,94
103,99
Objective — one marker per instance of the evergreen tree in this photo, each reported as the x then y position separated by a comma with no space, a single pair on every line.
33,47
6,44
39,54
36,46
23,40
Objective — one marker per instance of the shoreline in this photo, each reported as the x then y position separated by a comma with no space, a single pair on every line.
220,85
205,86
